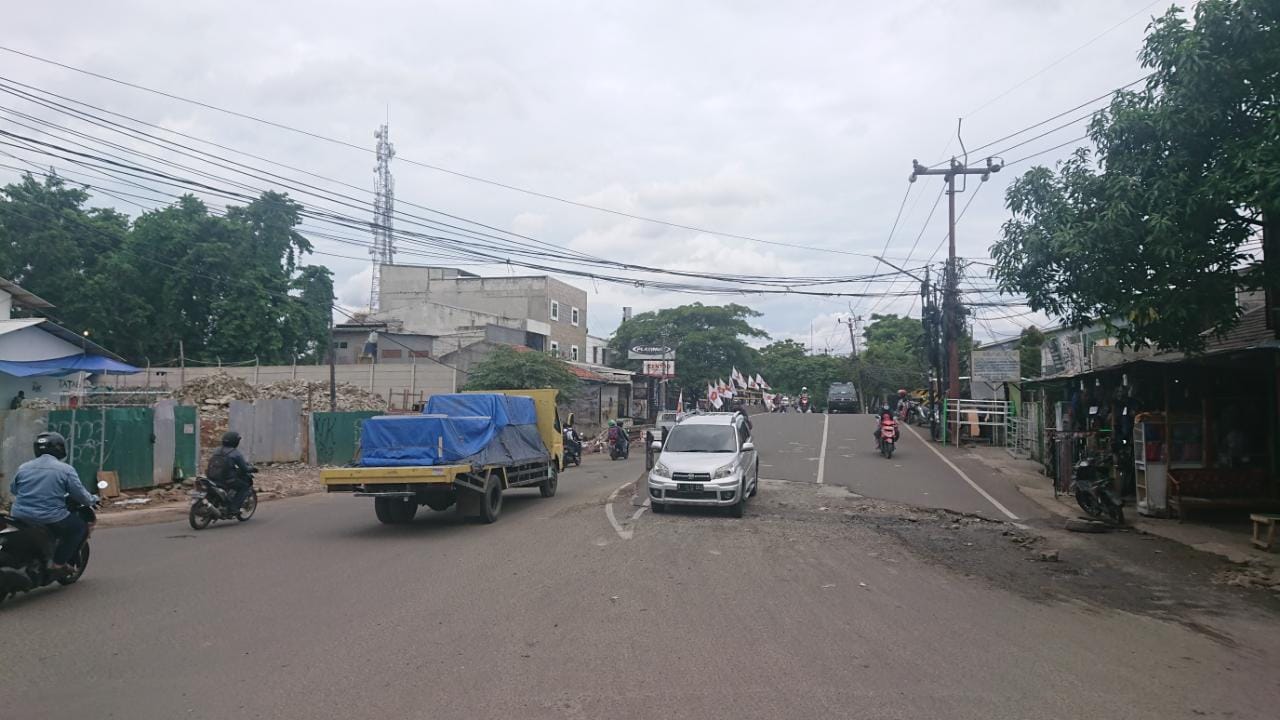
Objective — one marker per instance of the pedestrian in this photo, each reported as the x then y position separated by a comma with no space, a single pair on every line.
17,400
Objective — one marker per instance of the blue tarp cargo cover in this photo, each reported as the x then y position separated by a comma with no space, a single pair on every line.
504,409
475,429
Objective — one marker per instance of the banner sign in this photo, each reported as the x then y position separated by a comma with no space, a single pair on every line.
995,366
660,368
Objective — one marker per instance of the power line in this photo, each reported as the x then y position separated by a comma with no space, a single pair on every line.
429,166
1060,60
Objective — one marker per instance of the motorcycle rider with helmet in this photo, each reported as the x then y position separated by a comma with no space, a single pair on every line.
885,415
617,437
229,468
40,490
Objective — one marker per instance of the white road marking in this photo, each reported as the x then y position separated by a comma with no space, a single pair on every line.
608,511
960,472
822,454
640,512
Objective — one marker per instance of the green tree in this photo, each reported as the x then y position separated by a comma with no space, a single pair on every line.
1147,234
50,242
788,368
508,369
708,340
1029,343
894,356
230,287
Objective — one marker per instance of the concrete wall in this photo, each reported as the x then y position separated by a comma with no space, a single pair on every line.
426,376
350,346
6,305
429,300
18,429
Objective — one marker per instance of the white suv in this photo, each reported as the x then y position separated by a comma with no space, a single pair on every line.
706,460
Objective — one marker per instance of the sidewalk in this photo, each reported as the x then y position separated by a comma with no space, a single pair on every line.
1227,540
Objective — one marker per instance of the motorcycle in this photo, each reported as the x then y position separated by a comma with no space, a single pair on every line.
1094,492
209,502
804,404
621,448
888,438
785,406
26,552
572,447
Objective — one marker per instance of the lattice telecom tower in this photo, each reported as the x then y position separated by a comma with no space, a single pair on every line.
383,249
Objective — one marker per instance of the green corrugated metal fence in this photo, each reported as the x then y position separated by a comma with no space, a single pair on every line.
336,435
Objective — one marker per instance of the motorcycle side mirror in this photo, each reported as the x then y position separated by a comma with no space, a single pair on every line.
102,485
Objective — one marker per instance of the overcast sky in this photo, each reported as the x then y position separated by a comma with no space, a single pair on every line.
794,122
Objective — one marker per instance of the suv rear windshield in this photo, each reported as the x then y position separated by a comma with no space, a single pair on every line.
702,438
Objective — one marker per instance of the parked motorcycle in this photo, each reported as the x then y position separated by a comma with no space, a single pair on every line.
1094,492
572,447
888,438
209,502
26,553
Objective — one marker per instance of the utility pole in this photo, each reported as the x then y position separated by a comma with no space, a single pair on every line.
951,310
852,321
333,370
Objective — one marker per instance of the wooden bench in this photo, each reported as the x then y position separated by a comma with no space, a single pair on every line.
1264,540
1220,488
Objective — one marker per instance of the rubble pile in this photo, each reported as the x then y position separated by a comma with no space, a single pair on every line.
38,404
216,390
315,395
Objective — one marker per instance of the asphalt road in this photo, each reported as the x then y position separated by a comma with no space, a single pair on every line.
819,604
791,449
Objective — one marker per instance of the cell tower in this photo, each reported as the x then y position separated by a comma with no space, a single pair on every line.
383,249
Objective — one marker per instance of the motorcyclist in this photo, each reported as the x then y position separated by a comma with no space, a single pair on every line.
804,399
228,468
885,416
617,436
903,403
572,440
40,490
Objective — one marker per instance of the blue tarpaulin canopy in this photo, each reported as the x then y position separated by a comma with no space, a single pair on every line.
66,366
478,429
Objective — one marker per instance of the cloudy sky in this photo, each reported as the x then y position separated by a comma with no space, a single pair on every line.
790,122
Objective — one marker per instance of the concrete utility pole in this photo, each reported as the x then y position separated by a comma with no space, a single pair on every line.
951,310
852,321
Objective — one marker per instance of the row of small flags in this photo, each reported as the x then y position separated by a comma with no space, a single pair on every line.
721,391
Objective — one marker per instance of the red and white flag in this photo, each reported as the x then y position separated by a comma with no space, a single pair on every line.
760,381
680,402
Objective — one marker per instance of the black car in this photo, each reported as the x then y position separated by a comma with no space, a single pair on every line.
841,397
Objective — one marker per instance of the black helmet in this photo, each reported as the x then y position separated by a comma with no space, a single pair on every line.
231,439
50,443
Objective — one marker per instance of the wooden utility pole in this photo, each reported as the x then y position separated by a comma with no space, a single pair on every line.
951,310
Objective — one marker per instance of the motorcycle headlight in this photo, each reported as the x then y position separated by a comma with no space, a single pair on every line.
724,472
661,470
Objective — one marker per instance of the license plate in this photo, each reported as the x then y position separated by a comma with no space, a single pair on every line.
688,487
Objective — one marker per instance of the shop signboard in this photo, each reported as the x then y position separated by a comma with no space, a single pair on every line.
651,352
660,368
996,366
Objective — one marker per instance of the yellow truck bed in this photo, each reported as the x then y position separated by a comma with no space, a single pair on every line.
444,474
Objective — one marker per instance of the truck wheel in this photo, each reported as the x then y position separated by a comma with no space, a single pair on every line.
548,486
491,504
394,511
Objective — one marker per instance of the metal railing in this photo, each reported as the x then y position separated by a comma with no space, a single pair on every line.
975,421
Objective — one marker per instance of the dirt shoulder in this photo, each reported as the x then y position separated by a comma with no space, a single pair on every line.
170,502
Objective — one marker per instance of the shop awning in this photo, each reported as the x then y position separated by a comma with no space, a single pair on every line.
66,365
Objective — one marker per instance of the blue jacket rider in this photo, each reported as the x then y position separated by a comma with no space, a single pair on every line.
40,489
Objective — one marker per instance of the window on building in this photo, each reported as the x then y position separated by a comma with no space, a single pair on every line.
573,316
391,354
422,353
573,353
555,310
341,345
555,348
595,355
